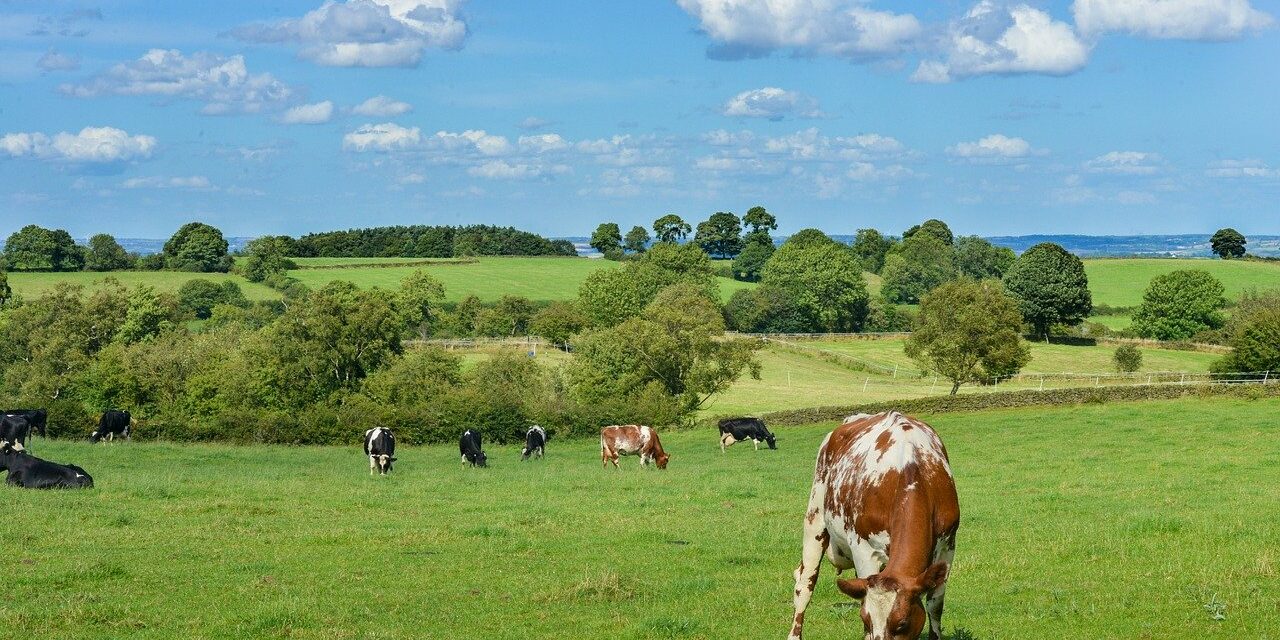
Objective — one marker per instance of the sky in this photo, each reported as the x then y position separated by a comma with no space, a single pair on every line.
1080,116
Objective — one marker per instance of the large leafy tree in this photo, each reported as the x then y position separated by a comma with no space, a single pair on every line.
558,322
968,331
750,263
418,299
197,297
34,248
914,268
825,281
759,223
610,296
105,254
266,256
1255,346
197,246
932,227
607,238
1229,243
637,240
1180,304
979,259
5,291
720,235
671,228
871,247
1050,286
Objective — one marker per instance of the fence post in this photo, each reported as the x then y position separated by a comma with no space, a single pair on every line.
1266,376
864,384
1042,382
895,372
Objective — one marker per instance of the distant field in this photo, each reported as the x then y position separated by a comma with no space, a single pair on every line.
1114,323
539,279
322,262
33,284
1121,282
1090,521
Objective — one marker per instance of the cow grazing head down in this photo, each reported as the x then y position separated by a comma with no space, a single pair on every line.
661,460
772,440
478,458
384,463
892,608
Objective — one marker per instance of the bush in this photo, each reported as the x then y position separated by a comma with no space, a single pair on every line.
1127,358
1179,304
198,297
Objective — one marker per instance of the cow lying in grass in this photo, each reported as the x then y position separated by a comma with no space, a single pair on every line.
26,470
629,440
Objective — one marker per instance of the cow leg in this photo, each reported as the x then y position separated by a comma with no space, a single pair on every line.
945,553
815,543
756,443
372,464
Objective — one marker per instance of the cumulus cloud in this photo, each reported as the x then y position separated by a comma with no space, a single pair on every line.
317,113
93,145
543,143
1241,169
868,172
476,140
54,61
1211,20
811,144
68,25
387,136
503,170
1135,163
157,182
382,107
995,39
993,146
223,83
366,33
842,28
771,103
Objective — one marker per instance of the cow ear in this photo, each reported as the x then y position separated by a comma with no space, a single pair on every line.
933,577
392,459
856,589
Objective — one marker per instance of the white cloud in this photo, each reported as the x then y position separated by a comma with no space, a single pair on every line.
811,144
157,182
317,113
387,136
878,143
1212,20
771,103
993,39
97,145
843,28
543,143
55,61
1124,163
503,170
1135,197
382,107
471,139
367,33
868,172
722,138
223,83
993,146
621,150
1241,169
412,178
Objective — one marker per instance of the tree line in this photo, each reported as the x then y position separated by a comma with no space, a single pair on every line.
420,241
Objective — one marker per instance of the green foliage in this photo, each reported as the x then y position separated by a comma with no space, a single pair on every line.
610,296
969,331
936,228
558,322
766,309
420,241
419,295
1128,358
979,259
148,314
760,220
266,256
1255,345
34,248
105,254
637,240
720,235
1180,304
1229,243
198,297
607,238
6,293
807,237
750,263
197,246
671,228
915,267
824,279
1050,286
870,247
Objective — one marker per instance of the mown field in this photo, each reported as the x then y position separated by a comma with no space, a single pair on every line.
1078,522
32,284
1121,282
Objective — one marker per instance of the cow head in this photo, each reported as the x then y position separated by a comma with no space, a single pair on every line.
384,463
772,440
478,459
891,608
662,459
95,436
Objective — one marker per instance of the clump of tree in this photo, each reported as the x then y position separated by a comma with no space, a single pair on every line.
671,228
920,264
1127,358
422,241
197,246
1254,337
198,297
757,245
105,254
6,292
720,235
607,239
934,228
611,296
34,248
977,258
558,323
265,257
1050,287
871,248
969,331
636,240
1228,243
1180,304
824,280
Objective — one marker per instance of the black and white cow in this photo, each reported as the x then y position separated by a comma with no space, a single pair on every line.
740,429
469,446
380,446
25,421
535,443
111,423
26,470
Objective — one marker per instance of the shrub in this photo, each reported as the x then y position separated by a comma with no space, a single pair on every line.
1179,304
1127,358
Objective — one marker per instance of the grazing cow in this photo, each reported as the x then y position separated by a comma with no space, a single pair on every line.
380,446
469,446
535,443
26,470
882,483
15,432
111,423
740,429
631,440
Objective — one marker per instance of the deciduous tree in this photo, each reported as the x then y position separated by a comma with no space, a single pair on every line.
670,228
1050,286
197,246
637,240
720,235
870,247
969,331
1179,304
1228,243
825,281
105,254
914,268
607,239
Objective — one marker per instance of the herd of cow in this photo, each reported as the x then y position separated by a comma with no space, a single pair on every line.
880,482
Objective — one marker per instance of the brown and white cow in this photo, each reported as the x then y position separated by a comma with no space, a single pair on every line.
882,483
631,440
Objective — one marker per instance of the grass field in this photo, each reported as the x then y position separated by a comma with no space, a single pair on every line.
1121,282
32,284
1077,522
324,262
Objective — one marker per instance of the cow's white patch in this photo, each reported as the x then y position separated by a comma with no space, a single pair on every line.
878,604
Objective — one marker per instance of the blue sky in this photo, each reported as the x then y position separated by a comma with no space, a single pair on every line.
1085,116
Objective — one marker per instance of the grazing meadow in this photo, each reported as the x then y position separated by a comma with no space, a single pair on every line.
1133,520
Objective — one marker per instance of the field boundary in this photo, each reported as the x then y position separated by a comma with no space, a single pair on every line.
387,265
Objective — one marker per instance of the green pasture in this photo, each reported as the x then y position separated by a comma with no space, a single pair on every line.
1142,520
31,284
1121,282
